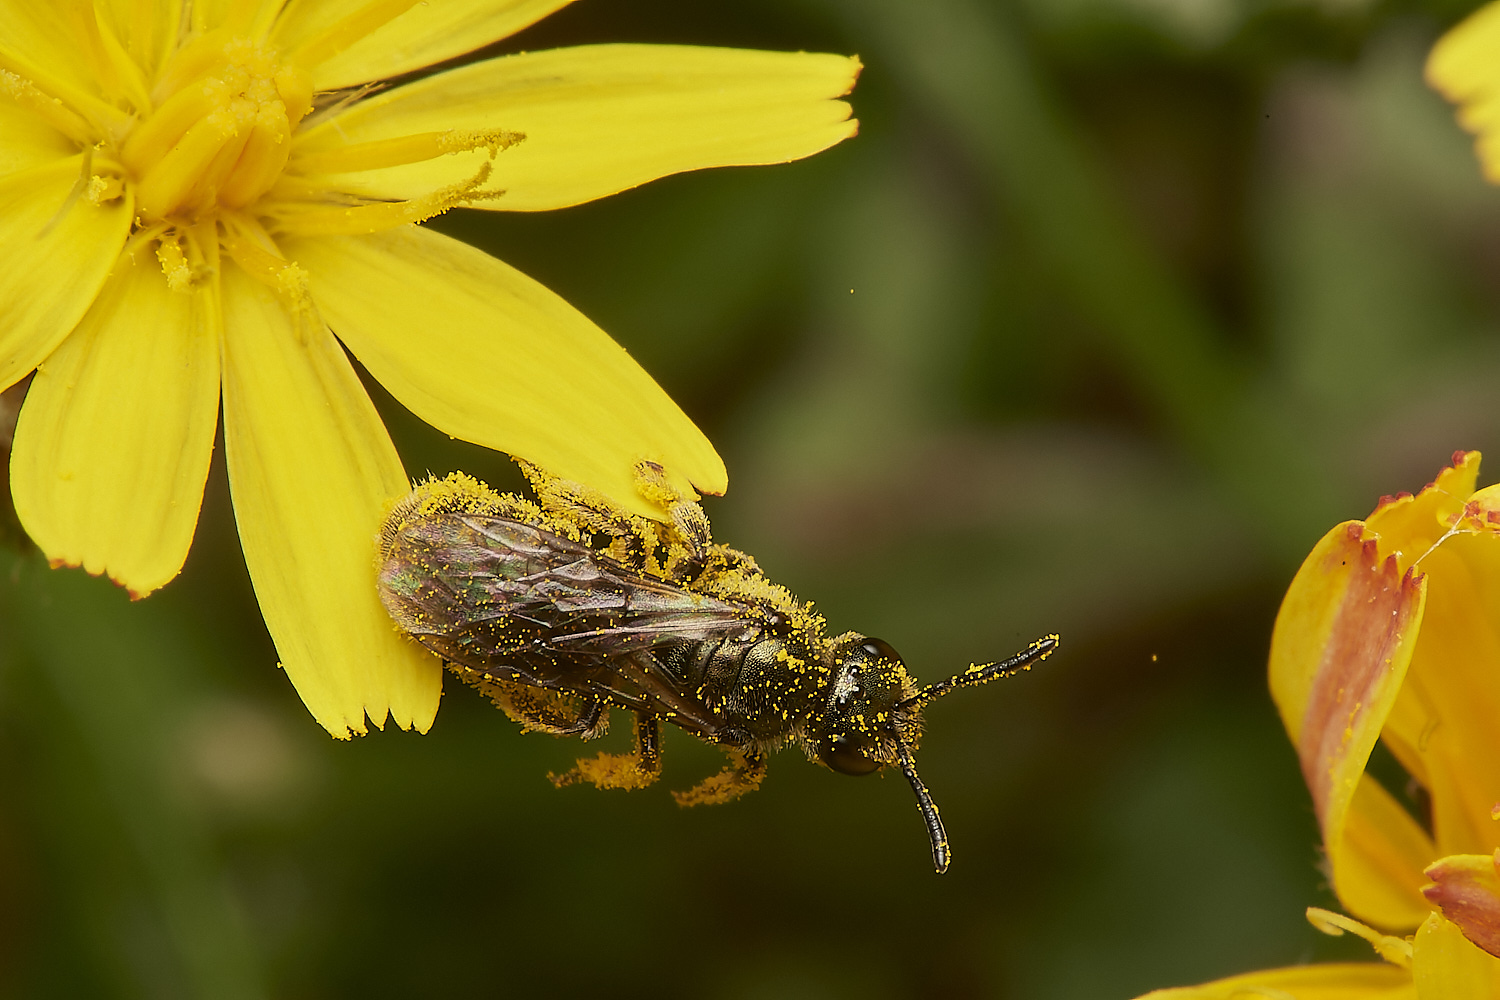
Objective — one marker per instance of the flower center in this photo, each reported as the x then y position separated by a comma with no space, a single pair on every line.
220,131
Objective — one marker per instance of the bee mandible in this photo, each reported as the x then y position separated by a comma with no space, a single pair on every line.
562,608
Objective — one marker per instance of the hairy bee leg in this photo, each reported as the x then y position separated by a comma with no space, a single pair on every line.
746,770
635,538
556,713
691,524
621,770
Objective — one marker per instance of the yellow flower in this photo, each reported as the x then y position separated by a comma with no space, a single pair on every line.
1391,631
199,196
1465,68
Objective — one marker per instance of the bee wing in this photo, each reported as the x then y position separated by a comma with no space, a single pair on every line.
493,583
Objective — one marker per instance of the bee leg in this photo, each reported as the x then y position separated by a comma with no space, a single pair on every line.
744,774
621,770
688,552
634,538
539,710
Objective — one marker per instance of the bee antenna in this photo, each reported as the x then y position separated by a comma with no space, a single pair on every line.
983,673
935,832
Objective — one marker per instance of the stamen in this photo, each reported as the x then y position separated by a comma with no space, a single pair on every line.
102,116
321,220
171,121
261,161
101,190
174,263
351,29
404,149
246,244
1395,950
54,112
183,177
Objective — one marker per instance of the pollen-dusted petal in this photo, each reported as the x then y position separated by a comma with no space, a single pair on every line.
310,468
113,442
1326,981
1466,887
481,351
1464,68
427,33
1447,966
602,118
54,257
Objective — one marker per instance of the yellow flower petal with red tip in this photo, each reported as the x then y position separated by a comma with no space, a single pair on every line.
1330,981
1465,67
1339,652
1447,966
113,443
54,257
479,350
1407,526
1466,887
424,34
310,469
600,119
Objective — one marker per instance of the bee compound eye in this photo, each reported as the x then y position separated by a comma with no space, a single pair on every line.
879,649
846,756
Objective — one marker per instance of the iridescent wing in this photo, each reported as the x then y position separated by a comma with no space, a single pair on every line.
489,591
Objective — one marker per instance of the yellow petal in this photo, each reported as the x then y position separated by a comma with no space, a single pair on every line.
1407,526
113,442
54,258
27,141
479,350
1331,981
1378,862
426,33
1442,726
1446,966
1463,66
1466,887
310,468
1340,649
602,118
39,35
144,30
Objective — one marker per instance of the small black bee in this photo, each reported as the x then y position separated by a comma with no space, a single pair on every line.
562,608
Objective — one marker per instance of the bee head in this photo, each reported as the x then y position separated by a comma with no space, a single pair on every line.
860,726
874,714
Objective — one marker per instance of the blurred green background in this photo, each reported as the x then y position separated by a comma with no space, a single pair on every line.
1109,312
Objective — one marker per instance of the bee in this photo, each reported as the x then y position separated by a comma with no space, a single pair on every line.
562,608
